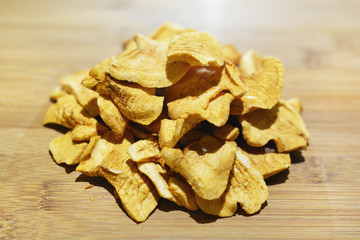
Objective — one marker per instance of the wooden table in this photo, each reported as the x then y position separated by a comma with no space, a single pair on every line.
319,43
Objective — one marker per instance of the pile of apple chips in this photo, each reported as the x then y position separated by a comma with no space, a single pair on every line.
179,116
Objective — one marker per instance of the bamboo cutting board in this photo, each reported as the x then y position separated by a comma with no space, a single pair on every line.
319,43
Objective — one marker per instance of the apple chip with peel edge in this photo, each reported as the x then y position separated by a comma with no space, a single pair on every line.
65,150
282,124
147,65
197,49
144,150
112,116
68,113
136,103
205,165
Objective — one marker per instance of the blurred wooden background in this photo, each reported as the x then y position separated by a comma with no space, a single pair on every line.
319,44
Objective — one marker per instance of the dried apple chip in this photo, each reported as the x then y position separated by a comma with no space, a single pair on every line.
112,116
182,192
153,127
156,174
86,132
195,83
85,155
224,206
146,65
205,165
144,150
110,160
230,80
136,103
246,186
197,49
57,93
263,86
251,62
68,113
166,185
191,105
227,132
167,31
65,150
91,166
232,54
172,130
249,186
136,192
266,161
218,110
99,72
295,103
85,97
282,124
198,80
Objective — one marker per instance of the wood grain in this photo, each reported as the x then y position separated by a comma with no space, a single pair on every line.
319,43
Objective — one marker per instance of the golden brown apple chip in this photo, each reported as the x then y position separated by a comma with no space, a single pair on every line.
251,62
146,65
85,97
230,80
110,160
136,192
57,93
199,80
182,192
264,86
197,49
172,130
265,160
112,116
282,124
205,164
195,83
248,184
167,31
166,185
232,54
136,103
86,132
263,78
68,113
184,107
65,150
153,127
144,150
91,166
295,103
97,77
90,83
224,206
85,155
158,177
226,132
218,110
99,72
